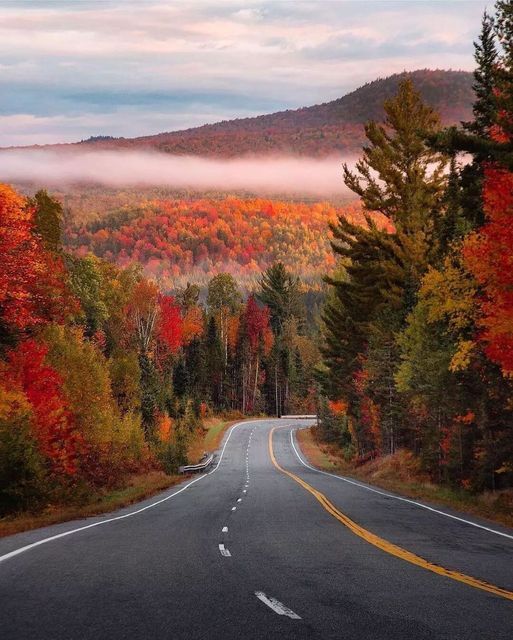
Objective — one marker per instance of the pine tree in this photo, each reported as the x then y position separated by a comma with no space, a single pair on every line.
403,179
485,80
48,219
504,31
280,291
214,363
399,175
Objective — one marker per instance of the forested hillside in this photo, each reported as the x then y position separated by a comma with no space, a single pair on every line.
317,131
418,328
190,240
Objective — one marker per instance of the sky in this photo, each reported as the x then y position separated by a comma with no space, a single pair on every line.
70,69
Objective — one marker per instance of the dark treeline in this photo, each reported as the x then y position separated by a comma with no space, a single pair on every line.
251,356
418,328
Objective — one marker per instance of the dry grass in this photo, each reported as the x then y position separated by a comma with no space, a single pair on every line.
401,473
210,438
136,488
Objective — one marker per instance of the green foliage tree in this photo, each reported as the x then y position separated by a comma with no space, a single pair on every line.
223,299
88,285
485,80
280,291
399,175
23,477
48,219
382,267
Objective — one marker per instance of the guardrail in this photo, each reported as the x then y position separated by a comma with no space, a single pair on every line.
305,417
194,468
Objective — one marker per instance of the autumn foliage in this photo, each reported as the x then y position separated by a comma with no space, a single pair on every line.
32,284
104,373
489,256
181,240
53,424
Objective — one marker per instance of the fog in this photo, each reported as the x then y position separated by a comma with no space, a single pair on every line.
127,168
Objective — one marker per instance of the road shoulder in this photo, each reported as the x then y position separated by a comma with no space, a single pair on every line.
328,458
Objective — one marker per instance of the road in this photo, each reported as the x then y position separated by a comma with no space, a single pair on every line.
261,547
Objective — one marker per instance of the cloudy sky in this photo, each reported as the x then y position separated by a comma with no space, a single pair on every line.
76,68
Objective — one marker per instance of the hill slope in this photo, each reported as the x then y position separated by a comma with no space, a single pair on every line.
317,131
178,241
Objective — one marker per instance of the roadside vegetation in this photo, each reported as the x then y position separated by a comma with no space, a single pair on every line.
402,473
418,327
110,380
133,488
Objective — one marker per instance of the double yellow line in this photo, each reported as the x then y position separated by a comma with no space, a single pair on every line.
384,545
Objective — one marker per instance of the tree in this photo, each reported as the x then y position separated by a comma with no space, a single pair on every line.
504,73
142,313
223,300
488,256
214,363
381,266
399,175
24,478
280,291
88,285
169,327
485,80
188,297
47,220
53,421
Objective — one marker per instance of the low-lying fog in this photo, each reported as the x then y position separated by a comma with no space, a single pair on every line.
122,168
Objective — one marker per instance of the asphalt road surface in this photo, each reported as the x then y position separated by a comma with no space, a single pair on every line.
261,548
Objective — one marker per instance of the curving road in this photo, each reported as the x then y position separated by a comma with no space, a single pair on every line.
263,546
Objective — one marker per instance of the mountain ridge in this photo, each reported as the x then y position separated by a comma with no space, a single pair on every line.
319,130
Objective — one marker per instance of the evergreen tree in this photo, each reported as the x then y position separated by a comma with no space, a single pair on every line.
399,175
402,178
48,219
214,364
504,31
280,291
485,80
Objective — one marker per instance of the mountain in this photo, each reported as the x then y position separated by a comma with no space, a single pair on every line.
317,131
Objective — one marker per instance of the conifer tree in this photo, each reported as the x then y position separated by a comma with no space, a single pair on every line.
399,175
485,80
47,219
279,290
402,178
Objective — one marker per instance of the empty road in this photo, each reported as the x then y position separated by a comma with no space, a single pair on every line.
261,547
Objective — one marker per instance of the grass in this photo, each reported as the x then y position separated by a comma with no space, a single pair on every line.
137,487
401,474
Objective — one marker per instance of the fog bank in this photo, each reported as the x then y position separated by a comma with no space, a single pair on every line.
127,168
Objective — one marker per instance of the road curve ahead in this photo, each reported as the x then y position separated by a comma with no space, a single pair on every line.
263,546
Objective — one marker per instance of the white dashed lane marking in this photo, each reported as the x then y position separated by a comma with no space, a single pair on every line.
224,551
276,606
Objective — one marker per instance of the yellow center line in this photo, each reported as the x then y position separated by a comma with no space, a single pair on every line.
383,544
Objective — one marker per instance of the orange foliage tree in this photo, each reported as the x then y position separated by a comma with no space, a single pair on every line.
488,255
